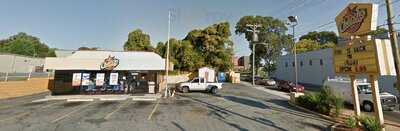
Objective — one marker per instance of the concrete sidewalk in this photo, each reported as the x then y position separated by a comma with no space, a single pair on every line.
266,89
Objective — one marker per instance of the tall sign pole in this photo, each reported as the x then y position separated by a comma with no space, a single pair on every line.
167,57
393,41
362,55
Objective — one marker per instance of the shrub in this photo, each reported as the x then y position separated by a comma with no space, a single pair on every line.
322,102
351,122
370,123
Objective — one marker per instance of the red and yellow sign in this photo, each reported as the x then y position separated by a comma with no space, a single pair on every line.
357,19
356,58
364,57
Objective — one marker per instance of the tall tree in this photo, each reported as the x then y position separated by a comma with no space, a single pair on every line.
322,37
214,45
138,41
272,32
306,45
181,54
24,44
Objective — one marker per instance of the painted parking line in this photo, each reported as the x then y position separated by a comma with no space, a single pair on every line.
73,111
154,109
117,109
25,113
49,105
15,117
10,106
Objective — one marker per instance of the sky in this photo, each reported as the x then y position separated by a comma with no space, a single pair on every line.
70,24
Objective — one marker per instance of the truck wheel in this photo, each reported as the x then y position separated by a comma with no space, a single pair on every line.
214,90
368,106
185,89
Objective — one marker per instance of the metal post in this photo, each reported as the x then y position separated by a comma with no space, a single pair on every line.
295,55
393,41
30,73
167,57
6,77
354,91
377,100
254,53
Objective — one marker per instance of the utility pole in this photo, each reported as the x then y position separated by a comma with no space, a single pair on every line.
253,28
393,41
167,57
293,23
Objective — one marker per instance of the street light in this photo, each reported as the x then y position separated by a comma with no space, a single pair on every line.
253,28
293,23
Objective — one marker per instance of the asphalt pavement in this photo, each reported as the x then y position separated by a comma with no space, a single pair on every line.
235,107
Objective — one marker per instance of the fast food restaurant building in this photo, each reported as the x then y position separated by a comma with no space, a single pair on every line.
106,72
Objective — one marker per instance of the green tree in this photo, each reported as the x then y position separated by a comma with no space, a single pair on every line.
322,37
87,48
378,31
214,45
138,41
306,45
181,54
272,32
25,44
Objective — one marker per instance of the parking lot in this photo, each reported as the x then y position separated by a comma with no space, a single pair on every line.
236,107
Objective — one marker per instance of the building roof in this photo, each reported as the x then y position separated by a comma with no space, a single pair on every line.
91,60
64,53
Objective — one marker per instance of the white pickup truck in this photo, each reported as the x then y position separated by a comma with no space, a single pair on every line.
342,87
198,84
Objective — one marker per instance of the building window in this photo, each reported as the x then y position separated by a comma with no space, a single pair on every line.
293,64
301,63
321,62
310,62
286,64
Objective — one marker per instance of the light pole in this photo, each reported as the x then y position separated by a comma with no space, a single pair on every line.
253,28
167,57
293,23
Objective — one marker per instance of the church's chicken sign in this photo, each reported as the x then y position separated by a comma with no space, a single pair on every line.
357,19
360,54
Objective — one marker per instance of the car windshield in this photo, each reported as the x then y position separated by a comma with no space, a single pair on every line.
364,88
195,80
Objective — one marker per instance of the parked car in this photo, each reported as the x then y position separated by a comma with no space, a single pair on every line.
199,84
342,88
258,80
290,86
270,82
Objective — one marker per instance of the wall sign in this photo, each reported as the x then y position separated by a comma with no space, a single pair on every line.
85,79
76,79
113,79
100,79
109,63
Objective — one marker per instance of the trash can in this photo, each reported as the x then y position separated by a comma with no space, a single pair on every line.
221,77
151,87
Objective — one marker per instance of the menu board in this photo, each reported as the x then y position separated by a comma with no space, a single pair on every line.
113,79
85,79
76,79
99,79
